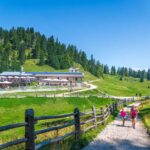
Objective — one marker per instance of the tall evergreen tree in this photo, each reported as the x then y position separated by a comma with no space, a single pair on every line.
51,57
106,69
99,70
65,62
113,70
142,76
22,56
148,75
42,61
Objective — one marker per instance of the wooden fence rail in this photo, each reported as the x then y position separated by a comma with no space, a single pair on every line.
92,120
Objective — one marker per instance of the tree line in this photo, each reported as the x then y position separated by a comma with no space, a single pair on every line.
127,72
19,44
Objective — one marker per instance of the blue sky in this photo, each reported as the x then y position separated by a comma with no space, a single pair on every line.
116,32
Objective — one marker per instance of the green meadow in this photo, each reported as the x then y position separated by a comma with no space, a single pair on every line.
127,87
145,114
13,110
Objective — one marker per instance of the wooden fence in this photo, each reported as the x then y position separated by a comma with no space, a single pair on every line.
92,120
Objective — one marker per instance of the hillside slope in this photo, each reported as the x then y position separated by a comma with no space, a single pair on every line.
127,87
31,65
109,84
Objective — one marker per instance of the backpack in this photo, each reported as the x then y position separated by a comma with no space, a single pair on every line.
123,113
133,113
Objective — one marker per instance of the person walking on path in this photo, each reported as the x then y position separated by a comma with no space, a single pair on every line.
123,115
133,114
116,137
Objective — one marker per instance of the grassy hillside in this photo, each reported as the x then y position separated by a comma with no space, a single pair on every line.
31,65
127,87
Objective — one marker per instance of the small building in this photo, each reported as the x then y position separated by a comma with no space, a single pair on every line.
62,78
72,69
71,78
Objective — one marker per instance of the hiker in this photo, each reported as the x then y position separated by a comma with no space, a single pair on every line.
133,112
123,115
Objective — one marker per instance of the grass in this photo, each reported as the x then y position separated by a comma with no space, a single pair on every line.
12,110
89,92
145,114
31,65
33,94
127,87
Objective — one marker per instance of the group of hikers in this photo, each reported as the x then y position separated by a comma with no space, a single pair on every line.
132,115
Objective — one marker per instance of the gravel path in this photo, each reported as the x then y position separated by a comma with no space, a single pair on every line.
117,137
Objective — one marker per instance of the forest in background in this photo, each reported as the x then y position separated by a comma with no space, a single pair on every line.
19,44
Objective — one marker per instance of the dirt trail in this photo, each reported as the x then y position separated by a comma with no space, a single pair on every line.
117,137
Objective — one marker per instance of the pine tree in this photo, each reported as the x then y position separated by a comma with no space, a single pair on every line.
65,62
4,62
36,50
113,70
84,60
22,56
42,50
99,70
41,62
15,64
51,52
148,75
142,76
106,69
57,63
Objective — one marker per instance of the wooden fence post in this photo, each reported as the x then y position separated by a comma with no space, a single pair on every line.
107,108
94,115
77,123
110,109
116,105
114,108
29,129
103,115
